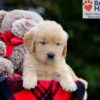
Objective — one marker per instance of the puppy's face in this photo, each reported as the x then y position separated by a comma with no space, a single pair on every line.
49,48
48,45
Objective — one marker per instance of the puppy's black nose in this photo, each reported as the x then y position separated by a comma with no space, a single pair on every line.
50,55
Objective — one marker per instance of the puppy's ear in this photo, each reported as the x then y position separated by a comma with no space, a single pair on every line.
65,51
29,41
65,47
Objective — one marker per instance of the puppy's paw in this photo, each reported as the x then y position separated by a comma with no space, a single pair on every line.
29,83
68,86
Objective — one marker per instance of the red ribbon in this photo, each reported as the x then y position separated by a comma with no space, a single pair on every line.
10,41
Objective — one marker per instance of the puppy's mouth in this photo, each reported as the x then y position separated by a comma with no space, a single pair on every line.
50,60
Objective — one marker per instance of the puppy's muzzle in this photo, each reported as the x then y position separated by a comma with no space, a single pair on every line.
50,56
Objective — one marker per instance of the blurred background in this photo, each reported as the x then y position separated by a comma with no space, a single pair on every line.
84,35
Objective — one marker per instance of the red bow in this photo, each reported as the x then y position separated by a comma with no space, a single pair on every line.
10,41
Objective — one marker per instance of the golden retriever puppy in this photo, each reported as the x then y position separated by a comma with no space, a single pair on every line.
46,45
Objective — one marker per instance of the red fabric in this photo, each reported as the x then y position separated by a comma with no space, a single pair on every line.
28,95
24,95
10,41
11,88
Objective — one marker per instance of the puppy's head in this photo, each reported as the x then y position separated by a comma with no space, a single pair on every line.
47,41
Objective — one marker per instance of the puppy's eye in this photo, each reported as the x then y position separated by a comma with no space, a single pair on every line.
58,44
42,42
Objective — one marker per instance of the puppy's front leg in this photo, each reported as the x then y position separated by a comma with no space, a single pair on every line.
66,81
29,79
75,77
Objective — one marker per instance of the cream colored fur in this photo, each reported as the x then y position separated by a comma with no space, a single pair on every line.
36,64
46,37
